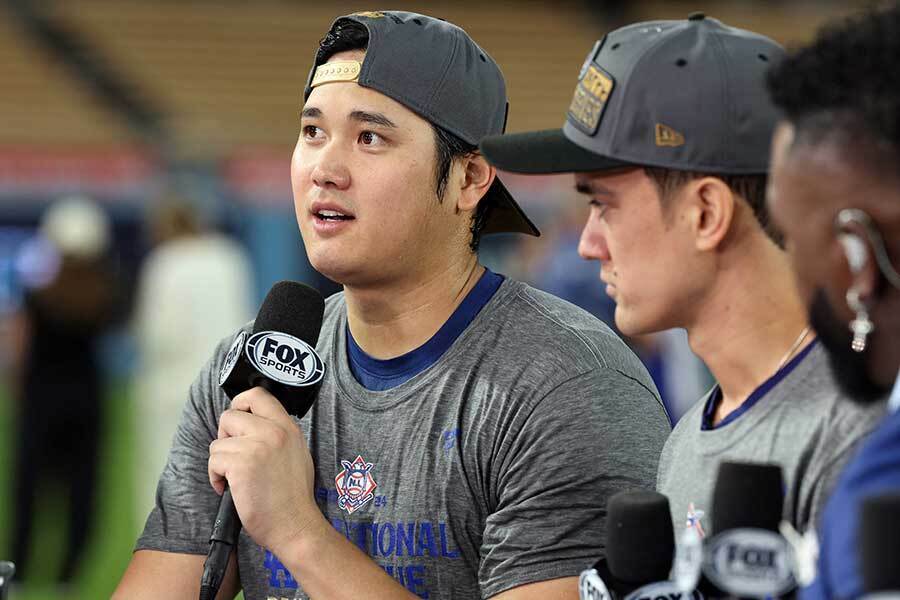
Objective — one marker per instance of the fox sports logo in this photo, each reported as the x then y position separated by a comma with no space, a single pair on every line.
751,563
285,358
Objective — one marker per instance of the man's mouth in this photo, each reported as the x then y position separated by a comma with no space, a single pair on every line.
332,215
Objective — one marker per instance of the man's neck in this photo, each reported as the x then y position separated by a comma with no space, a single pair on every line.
389,321
749,324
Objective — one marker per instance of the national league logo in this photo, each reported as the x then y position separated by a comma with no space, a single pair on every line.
355,485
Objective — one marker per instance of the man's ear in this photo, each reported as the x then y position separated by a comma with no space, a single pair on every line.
855,253
477,177
713,207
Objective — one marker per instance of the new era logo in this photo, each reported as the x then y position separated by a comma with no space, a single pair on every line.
666,136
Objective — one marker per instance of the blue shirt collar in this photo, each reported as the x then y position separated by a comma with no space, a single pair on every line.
378,375
709,410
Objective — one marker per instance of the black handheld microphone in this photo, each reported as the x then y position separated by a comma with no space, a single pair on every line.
279,356
747,557
640,544
879,543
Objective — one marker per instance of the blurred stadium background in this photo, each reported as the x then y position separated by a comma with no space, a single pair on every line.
124,100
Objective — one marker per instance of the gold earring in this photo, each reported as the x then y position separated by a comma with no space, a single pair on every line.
861,326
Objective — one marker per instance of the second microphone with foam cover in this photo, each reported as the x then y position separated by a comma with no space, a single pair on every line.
640,544
747,495
747,557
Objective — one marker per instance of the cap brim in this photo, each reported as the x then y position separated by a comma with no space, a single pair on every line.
506,216
537,152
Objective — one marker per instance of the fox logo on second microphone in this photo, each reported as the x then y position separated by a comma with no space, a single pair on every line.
285,358
750,563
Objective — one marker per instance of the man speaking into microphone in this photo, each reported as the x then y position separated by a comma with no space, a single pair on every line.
469,429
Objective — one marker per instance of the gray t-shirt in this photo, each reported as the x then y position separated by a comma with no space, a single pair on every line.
804,423
488,470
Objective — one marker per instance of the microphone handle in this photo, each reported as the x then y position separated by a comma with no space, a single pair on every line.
227,527
224,536
222,542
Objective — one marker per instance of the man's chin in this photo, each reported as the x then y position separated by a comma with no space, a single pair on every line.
850,368
331,271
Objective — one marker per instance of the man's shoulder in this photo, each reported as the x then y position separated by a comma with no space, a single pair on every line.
544,322
684,437
816,395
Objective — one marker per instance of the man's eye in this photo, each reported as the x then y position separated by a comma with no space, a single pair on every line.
369,138
311,131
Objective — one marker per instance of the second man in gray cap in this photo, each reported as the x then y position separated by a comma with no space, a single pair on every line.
668,136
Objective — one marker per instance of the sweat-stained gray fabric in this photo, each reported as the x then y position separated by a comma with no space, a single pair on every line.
490,469
804,423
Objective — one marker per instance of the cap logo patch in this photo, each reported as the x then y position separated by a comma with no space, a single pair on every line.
339,70
666,136
590,97
371,14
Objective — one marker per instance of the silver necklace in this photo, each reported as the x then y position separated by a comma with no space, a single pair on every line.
793,348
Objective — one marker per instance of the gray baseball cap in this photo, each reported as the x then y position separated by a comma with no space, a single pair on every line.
436,70
687,95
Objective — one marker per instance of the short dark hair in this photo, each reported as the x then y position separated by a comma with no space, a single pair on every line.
350,35
846,84
752,188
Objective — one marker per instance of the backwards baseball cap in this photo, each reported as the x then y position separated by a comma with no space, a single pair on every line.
436,70
686,95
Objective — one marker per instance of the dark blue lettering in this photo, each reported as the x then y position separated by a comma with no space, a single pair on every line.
387,549
407,538
275,568
396,574
358,536
373,535
445,552
426,540
449,439
414,578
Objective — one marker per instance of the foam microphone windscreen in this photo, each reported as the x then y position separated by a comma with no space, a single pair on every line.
290,371
879,542
640,542
747,495
293,308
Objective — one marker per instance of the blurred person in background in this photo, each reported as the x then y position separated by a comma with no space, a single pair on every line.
672,151
835,192
69,301
195,286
